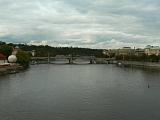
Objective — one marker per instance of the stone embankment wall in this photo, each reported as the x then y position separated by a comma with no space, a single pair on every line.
10,69
141,64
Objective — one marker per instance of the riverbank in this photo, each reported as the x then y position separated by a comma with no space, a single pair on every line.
10,69
152,65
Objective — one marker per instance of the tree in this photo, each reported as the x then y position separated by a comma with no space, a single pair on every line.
2,43
153,58
23,58
6,49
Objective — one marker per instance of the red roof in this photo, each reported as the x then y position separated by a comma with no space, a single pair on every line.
2,57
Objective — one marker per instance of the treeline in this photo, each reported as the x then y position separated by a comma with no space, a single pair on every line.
43,51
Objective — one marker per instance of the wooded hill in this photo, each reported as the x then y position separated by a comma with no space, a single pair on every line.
53,51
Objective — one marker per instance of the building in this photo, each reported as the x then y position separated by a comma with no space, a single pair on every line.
152,50
110,52
139,52
3,59
33,52
16,50
105,52
125,51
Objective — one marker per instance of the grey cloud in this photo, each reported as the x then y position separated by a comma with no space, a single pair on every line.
89,23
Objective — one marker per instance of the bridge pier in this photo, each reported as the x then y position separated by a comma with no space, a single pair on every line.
91,61
48,58
70,61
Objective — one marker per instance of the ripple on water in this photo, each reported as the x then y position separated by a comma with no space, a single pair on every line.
83,92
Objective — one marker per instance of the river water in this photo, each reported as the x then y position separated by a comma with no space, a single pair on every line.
80,92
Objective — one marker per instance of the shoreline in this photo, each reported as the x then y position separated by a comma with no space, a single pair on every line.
149,65
10,69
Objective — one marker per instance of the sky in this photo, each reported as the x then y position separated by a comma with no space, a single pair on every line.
81,23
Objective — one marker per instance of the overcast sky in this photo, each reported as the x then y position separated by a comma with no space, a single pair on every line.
81,23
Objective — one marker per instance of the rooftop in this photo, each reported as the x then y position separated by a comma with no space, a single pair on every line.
2,57
152,47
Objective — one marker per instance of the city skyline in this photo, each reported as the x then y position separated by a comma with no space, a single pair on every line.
90,23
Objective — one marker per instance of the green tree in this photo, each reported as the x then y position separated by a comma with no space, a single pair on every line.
23,58
153,58
6,49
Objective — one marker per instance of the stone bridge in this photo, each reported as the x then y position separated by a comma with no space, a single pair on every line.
70,59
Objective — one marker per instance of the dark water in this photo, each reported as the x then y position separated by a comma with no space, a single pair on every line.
80,92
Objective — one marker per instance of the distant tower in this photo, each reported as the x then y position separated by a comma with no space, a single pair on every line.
134,47
33,53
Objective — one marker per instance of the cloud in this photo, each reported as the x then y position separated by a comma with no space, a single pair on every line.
89,23
37,43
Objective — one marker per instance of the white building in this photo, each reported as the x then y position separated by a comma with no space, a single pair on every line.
125,51
33,53
15,50
152,50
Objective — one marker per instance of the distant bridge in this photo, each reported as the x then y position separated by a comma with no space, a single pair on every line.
71,59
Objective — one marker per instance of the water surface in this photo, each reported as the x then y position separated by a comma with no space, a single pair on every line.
80,92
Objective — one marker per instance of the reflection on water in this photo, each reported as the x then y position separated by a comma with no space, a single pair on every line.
80,92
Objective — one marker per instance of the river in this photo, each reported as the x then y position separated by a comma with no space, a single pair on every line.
80,92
